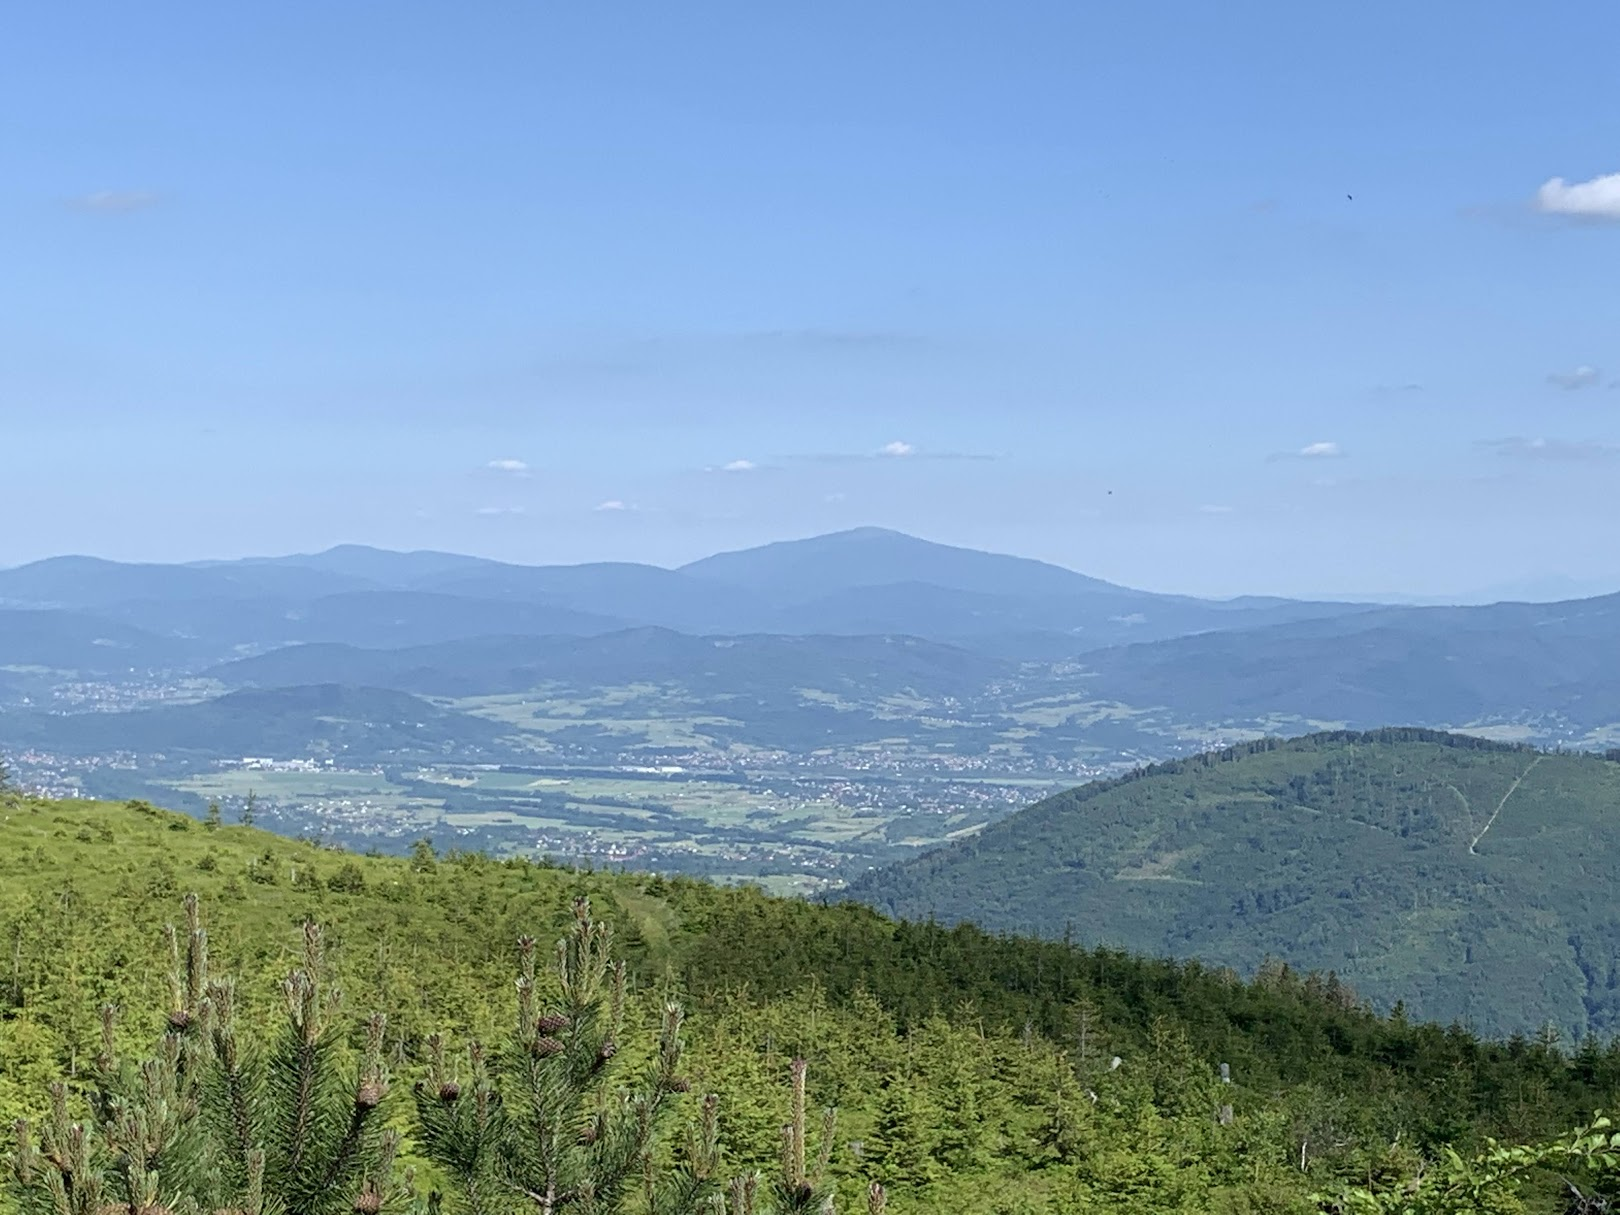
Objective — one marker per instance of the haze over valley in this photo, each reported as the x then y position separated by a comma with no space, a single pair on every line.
794,714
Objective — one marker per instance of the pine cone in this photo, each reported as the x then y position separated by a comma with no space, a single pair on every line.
449,1091
608,1050
680,1084
370,1094
589,1135
369,1202
552,1022
180,1019
546,1047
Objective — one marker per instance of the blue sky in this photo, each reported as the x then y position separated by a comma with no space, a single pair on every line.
1253,296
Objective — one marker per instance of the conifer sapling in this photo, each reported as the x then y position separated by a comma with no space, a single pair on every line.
548,1125
216,1123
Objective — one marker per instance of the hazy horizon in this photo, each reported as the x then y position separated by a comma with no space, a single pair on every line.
1545,588
1219,301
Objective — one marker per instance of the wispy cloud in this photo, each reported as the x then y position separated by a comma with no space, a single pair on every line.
1211,509
1389,390
898,449
516,467
1598,199
1556,450
495,512
739,466
1323,450
612,504
1571,381
114,202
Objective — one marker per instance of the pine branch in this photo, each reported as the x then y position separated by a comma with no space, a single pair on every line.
369,1092
238,1099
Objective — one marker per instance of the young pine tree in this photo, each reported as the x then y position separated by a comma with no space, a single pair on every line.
801,1189
548,1125
213,1123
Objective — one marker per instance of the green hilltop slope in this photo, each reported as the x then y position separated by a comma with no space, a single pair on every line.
1471,880
976,1069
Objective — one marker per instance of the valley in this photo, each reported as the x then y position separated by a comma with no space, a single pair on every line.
632,715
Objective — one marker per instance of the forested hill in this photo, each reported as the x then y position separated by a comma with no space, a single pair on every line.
1472,880
976,1073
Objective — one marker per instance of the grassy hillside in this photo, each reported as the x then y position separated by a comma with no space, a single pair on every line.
964,1063
1471,880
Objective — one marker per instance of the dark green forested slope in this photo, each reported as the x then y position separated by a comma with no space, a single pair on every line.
1471,880
974,1071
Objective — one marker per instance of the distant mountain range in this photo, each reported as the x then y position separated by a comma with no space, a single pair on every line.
449,625
1473,880
863,581
1534,664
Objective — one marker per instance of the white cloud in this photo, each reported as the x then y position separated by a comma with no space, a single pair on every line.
1324,450
1215,510
898,450
611,504
1595,199
739,466
836,496
1582,377
114,202
509,466
490,512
